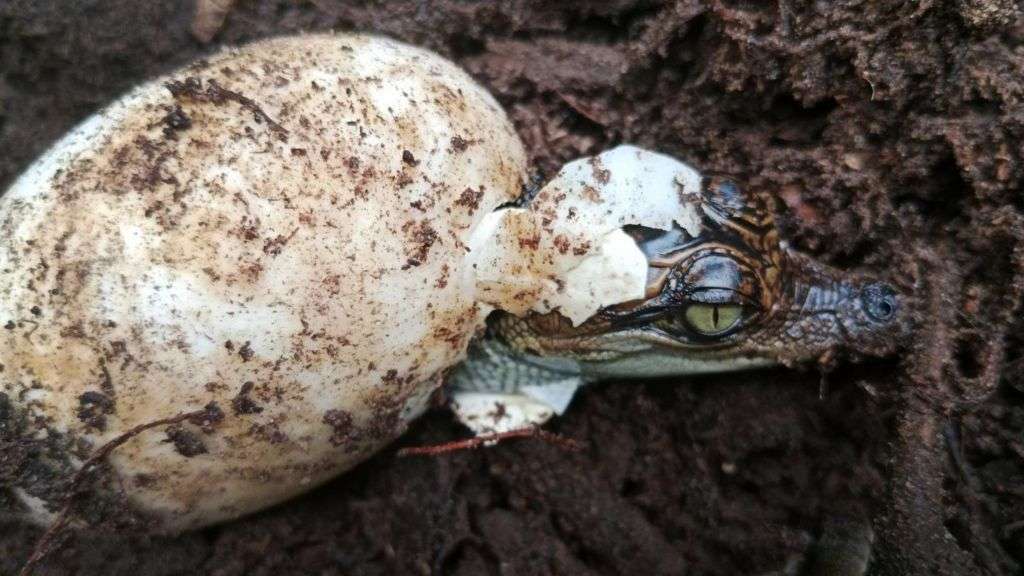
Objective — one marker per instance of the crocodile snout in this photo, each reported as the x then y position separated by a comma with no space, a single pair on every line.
880,301
875,321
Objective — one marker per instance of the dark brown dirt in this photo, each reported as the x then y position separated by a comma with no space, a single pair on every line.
891,132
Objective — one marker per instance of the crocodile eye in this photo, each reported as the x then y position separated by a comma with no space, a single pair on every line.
713,319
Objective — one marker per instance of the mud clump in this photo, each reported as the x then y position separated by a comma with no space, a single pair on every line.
889,133
93,409
243,403
185,442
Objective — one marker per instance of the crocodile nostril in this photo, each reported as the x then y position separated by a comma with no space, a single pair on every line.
880,301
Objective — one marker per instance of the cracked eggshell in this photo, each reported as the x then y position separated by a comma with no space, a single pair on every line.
278,232
567,251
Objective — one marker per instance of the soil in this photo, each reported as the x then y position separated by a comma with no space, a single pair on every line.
891,133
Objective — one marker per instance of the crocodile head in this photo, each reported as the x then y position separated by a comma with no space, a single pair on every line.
734,297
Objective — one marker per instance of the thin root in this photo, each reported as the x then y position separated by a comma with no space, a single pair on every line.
488,439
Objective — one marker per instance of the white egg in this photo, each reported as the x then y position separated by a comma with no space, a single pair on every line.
280,231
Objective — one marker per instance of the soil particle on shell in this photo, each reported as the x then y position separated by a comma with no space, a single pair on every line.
93,409
186,442
243,403
885,128
245,352
212,416
420,237
459,144
270,433
470,199
176,120
341,425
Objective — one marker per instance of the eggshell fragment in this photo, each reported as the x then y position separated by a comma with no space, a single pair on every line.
278,233
566,251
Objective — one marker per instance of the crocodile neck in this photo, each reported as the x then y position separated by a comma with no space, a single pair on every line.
515,353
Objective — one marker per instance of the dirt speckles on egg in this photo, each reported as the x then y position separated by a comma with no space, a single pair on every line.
240,234
301,237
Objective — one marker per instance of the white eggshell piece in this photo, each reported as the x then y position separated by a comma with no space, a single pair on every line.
490,413
281,230
567,250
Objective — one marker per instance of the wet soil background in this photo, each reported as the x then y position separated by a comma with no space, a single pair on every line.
891,133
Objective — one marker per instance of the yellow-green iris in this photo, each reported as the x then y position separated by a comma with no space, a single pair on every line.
712,319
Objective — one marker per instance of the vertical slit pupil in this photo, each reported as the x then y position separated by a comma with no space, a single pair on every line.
714,315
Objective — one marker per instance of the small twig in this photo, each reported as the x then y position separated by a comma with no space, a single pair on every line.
192,88
478,441
44,546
